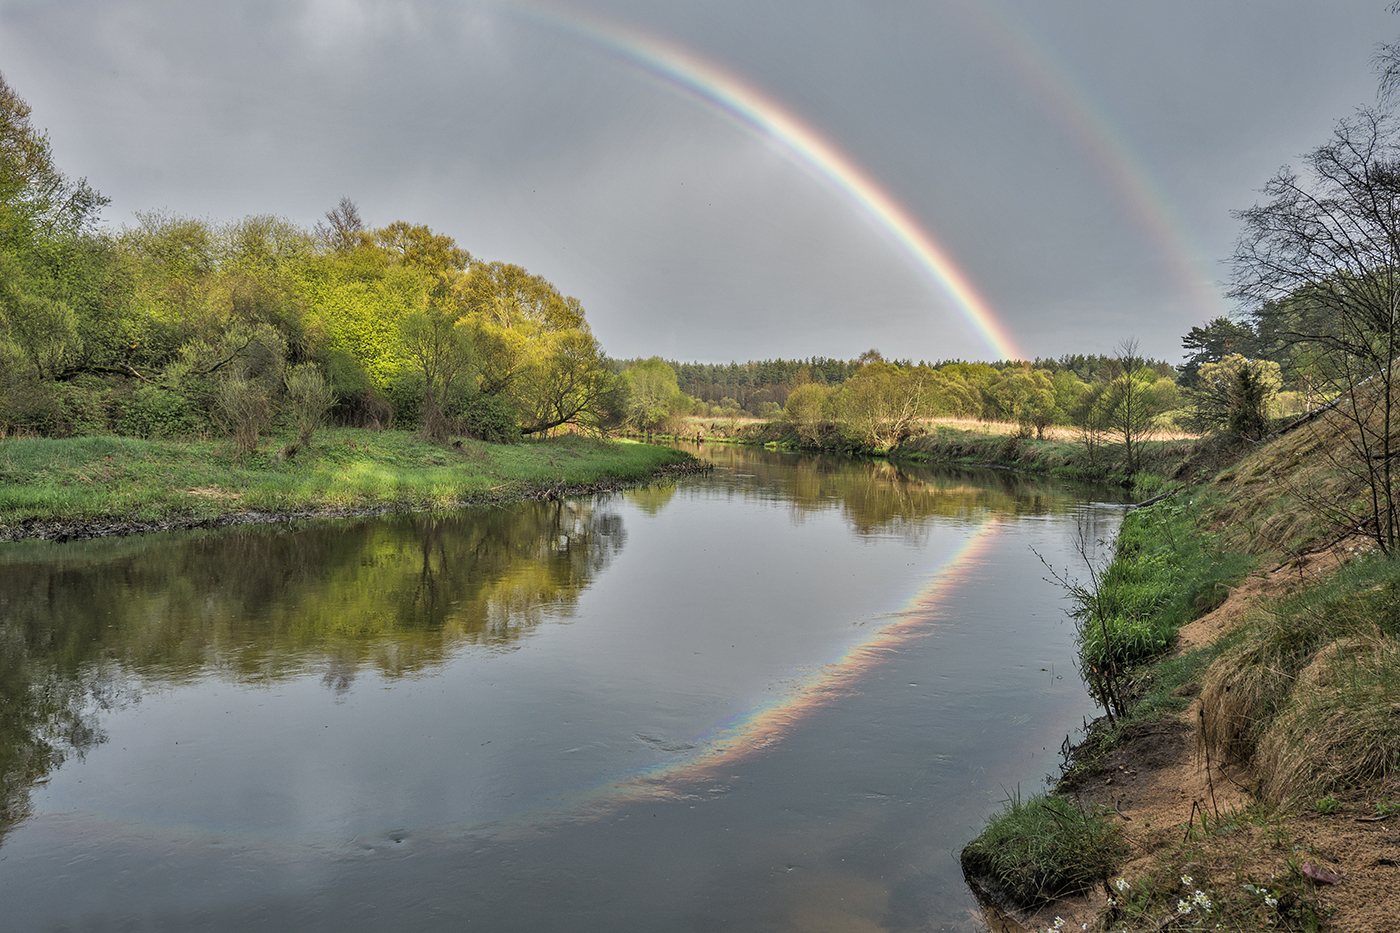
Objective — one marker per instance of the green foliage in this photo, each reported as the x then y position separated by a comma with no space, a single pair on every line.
309,400
651,393
154,411
490,418
1044,847
1215,341
883,403
243,410
806,407
441,351
404,393
1236,394
82,406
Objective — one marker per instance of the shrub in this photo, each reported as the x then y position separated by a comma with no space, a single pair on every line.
490,418
82,406
153,411
309,399
243,410
1041,848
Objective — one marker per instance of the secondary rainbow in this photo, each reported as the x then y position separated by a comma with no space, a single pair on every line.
1046,74
744,104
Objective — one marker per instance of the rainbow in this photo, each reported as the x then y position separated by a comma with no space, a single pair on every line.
767,725
750,108
1046,75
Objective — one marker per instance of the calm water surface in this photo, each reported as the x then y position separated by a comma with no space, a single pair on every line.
778,698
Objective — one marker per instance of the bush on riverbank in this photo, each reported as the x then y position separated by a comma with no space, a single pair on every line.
1160,462
87,479
1040,848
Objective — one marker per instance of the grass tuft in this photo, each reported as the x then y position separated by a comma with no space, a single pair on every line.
1043,847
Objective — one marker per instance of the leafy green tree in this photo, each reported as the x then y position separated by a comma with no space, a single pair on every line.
1027,397
1235,394
883,403
1220,338
1129,408
441,350
652,392
805,408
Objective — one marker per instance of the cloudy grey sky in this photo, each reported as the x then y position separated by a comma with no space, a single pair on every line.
1077,160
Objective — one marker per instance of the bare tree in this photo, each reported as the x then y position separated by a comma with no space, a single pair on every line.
343,228
1319,261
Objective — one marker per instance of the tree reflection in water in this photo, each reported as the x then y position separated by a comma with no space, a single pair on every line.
86,625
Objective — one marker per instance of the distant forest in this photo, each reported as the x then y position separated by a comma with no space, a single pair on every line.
758,385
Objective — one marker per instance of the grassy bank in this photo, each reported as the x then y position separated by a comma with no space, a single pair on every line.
88,480
1275,714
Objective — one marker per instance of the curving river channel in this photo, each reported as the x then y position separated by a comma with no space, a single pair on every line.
776,698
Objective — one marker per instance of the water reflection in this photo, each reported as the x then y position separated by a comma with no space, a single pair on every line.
778,701
91,624
879,497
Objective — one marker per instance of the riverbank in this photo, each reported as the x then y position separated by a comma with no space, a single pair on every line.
1161,462
1252,781
96,486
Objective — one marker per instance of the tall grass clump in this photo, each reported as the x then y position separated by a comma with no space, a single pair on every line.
1311,693
1341,729
1043,847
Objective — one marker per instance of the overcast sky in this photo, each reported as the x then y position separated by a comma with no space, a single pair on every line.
1077,160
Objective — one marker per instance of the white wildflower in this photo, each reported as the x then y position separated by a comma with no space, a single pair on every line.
1121,884
1186,880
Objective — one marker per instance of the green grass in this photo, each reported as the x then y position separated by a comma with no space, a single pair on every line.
119,478
1326,657
1164,573
1040,848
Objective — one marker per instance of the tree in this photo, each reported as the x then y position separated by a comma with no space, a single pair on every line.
568,384
1235,394
1325,245
1212,343
652,393
1026,397
34,195
1128,407
804,408
343,229
441,351
883,402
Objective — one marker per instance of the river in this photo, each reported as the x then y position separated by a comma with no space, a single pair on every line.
779,697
